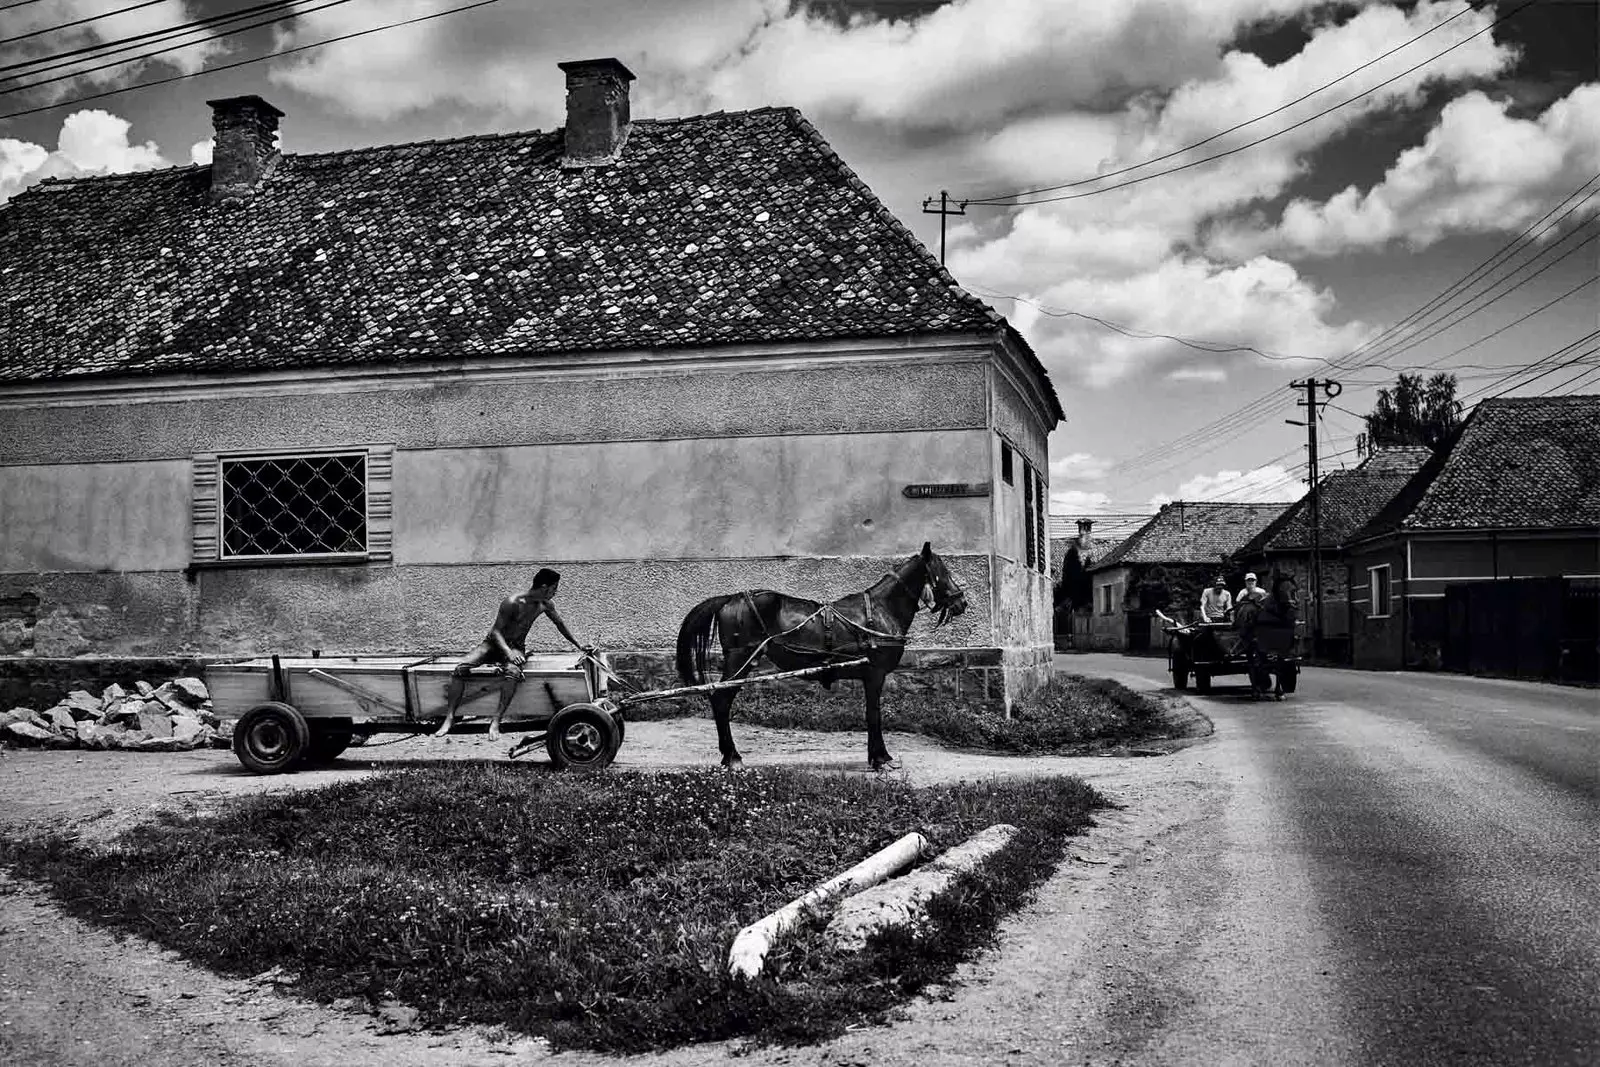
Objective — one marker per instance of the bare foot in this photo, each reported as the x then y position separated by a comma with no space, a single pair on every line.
494,732
443,730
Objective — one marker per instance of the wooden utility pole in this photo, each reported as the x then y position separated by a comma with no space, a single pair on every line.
1330,389
944,211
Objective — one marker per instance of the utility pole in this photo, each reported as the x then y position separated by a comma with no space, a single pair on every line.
944,211
1330,389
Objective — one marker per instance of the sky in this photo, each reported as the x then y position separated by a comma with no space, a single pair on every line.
1290,258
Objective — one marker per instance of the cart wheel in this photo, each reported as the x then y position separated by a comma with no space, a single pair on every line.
1288,677
271,738
1202,681
326,745
582,737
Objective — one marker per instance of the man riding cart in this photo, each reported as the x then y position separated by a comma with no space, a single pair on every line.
1255,635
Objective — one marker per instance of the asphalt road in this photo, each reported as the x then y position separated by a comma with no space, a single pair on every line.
1389,868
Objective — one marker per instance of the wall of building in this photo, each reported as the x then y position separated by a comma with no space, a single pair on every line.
1377,641
1109,631
649,487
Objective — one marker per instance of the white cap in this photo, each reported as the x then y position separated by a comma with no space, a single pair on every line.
1250,577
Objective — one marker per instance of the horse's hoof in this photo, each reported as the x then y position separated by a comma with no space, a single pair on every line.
885,765
732,763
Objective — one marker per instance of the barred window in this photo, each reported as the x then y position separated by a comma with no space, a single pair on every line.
306,505
1027,512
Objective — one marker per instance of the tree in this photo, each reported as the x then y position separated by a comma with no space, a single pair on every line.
1074,590
1415,412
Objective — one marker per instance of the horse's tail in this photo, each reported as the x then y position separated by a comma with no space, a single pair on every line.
694,639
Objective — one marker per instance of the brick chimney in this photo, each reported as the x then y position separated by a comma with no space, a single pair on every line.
246,146
1084,540
597,111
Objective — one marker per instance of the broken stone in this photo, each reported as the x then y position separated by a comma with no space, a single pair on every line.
396,1018
209,717
123,711
86,729
194,688
125,738
154,720
190,732
61,720
157,744
223,735
15,715
112,694
82,704
29,734
145,688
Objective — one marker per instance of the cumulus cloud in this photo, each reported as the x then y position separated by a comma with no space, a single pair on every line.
200,152
1079,465
1479,170
191,53
90,142
1269,484
1078,502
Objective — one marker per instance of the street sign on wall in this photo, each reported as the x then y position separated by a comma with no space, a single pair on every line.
925,490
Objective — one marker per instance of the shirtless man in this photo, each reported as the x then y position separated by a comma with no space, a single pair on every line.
505,643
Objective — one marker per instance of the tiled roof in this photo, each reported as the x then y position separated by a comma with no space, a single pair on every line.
1516,463
723,228
1347,501
1192,532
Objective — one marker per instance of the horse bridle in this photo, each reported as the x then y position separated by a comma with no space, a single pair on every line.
930,598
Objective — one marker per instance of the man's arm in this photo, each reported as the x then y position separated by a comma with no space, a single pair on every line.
561,625
503,619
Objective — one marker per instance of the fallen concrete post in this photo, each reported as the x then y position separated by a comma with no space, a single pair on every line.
904,901
750,948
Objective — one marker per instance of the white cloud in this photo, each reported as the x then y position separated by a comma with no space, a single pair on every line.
1078,502
1198,374
1478,171
77,75
1270,484
90,142
1079,465
200,152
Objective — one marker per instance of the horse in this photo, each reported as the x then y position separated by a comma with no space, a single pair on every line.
1266,629
793,633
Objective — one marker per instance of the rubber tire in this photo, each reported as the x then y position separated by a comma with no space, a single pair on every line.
1202,681
271,738
327,745
1288,678
582,737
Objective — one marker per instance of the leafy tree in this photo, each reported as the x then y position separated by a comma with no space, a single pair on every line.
1415,412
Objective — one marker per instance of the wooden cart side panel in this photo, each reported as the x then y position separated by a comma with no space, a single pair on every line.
532,700
317,698
234,692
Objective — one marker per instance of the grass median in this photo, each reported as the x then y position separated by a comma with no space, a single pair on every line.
1073,714
595,910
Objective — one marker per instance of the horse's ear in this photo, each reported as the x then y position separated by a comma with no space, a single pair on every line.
927,549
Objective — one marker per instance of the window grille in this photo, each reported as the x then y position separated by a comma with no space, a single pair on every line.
1027,512
306,505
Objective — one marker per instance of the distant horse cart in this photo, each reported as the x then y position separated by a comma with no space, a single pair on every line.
1262,642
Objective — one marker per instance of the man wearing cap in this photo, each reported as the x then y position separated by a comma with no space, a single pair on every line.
1251,591
1216,603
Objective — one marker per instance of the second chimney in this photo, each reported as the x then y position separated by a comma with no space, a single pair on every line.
245,148
597,111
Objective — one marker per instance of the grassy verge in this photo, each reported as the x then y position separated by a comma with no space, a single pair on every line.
1072,714
596,910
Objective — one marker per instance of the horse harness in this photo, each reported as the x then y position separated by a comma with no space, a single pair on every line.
828,615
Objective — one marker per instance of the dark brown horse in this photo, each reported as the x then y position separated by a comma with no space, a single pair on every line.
793,633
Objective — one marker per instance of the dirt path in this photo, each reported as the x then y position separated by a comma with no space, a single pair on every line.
72,994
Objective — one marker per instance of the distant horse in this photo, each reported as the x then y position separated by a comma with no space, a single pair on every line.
793,633
1266,630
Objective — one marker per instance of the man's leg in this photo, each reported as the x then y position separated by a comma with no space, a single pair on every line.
458,685
511,677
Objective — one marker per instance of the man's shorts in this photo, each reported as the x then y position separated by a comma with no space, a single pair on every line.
486,655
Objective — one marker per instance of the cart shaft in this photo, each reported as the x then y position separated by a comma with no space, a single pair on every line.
735,683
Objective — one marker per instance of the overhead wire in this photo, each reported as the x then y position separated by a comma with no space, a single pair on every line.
246,62
78,22
997,201
1232,129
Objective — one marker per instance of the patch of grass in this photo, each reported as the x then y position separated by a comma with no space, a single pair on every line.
1071,714
596,910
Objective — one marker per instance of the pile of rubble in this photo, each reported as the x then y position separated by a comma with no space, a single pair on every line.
173,717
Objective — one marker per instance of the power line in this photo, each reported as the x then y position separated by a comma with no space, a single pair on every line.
995,202
79,22
245,62
1559,366
1240,126
293,13
1541,362
122,44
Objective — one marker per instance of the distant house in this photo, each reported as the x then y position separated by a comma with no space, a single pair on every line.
1434,578
1164,565
1062,541
348,401
1346,501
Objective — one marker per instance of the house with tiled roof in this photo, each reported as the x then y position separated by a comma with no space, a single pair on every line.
1346,500
347,401
1164,565
1488,556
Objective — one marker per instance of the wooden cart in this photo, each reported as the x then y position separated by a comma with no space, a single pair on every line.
293,710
